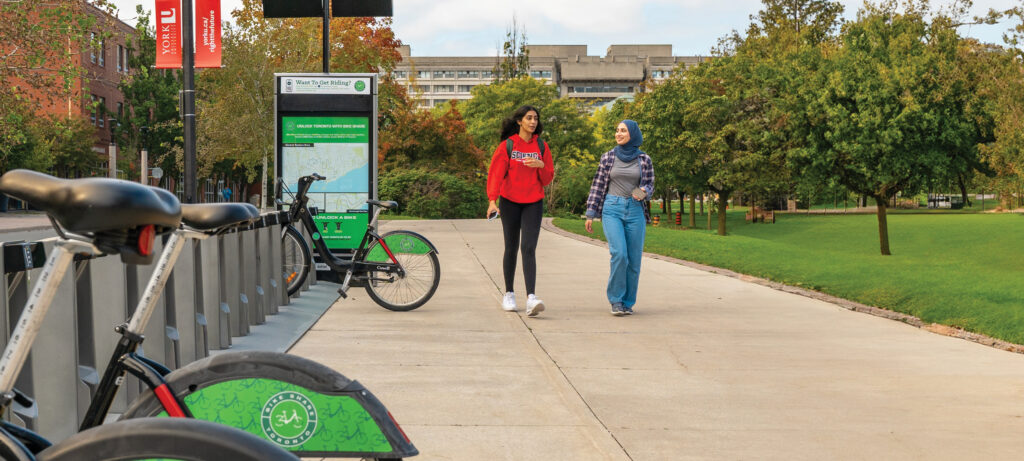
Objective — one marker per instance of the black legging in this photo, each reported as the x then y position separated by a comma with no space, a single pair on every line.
525,218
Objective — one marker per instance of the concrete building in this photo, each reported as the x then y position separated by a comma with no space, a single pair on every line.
594,79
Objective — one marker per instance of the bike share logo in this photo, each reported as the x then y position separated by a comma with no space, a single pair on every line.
407,245
360,85
289,419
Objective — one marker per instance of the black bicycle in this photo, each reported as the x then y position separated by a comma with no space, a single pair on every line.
399,269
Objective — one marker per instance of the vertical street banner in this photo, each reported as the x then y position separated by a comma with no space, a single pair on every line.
168,34
208,33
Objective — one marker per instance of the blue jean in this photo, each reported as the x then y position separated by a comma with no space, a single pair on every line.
624,227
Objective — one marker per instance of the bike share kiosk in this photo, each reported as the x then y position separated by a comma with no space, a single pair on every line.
327,124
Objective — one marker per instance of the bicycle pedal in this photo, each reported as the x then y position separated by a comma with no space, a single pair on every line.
342,293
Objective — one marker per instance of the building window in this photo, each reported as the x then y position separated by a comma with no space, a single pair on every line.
486,74
444,88
103,52
120,110
93,109
423,74
661,73
444,74
399,74
540,74
469,74
465,88
600,89
120,58
440,102
420,88
92,50
101,111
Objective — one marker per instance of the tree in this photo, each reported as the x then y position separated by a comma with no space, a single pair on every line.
151,101
430,140
40,45
1002,83
567,129
795,22
875,122
515,56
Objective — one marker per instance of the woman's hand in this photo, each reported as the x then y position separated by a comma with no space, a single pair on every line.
533,163
589,225
492,207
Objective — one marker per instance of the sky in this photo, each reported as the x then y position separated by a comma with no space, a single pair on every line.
477,28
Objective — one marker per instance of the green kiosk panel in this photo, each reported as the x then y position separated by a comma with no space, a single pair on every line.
327,124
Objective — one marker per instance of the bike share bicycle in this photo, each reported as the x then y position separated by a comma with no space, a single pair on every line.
98,216
399,269
299,404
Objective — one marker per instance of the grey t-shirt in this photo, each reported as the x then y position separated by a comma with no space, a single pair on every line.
624,176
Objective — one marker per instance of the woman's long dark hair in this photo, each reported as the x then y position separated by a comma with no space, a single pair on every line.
509,126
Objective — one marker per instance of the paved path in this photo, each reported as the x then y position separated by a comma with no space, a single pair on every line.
710,367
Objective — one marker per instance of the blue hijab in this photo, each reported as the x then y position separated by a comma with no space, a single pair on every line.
631,150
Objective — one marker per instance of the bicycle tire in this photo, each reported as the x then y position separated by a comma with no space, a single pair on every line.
418,258
297,259
173,438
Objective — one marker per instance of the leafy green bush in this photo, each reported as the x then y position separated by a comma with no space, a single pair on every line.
567,194
433,195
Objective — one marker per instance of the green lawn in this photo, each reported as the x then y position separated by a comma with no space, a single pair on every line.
962,270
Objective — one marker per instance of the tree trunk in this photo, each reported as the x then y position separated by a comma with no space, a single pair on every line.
693,211
701,203
883,227
709,212
723,201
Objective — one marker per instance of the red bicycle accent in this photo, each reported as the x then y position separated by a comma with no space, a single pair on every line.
167,400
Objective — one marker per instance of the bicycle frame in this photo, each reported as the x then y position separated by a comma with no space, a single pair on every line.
31,319
125,359
354,268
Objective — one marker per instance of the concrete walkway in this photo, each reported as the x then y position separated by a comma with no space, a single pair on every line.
710,367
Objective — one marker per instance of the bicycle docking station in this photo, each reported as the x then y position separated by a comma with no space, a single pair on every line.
327,124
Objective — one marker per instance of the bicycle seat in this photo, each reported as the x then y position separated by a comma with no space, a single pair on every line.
211,216
94,205
385,205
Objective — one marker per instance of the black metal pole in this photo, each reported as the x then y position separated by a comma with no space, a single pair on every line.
189,109
327,36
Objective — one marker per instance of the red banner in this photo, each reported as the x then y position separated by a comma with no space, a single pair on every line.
168,34
208,33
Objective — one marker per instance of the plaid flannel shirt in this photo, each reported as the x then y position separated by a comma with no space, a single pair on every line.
598,189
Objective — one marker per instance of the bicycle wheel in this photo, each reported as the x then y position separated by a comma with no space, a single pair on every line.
165,438
418,259
297,259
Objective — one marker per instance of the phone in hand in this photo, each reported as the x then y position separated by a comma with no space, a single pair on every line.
492,216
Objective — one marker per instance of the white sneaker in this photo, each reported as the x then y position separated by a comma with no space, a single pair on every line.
509,302
534,306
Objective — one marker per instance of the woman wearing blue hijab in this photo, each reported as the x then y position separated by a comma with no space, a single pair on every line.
618,196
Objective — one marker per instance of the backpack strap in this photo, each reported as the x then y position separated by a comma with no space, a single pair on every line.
508,147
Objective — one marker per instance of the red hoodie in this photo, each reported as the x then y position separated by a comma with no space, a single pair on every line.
518,182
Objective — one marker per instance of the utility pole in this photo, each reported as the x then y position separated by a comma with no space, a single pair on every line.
189,101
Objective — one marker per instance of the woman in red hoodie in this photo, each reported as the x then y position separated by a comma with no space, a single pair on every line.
520,168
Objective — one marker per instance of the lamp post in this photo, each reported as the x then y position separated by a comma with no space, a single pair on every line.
144,155
112,150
